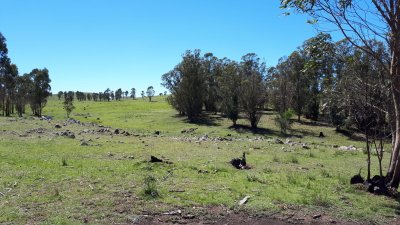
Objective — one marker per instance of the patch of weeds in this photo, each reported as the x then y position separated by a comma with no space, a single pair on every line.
217,169
256,178
64,162
276,159
343,180
325,174
320,199
338,153
193,168
292,178
294,160
268,170
150,186
311,177
311,155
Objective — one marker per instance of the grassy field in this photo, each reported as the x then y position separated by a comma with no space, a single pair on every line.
50,179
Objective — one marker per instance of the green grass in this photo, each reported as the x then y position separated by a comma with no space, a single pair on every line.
49,179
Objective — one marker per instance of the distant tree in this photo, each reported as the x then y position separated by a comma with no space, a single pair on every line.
126,94
212,71
112,95
41,90
252,88
142,94
60,94
165,92
118,94
107,95
95,96
187,85
68,103
229,88
9,82
89,96
24,87
150,92
133,93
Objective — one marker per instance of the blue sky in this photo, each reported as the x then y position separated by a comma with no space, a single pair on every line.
91,45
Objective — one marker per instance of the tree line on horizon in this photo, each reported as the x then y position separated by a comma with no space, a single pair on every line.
107,95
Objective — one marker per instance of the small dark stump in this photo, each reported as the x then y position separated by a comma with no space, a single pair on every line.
240,163
154,159
157,132
357,179
321,134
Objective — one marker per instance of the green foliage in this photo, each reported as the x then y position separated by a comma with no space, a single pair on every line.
68,104
283,120
150,186
64,162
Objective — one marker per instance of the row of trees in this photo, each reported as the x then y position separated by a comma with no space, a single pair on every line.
217,85
107,95
16,91
336,81
360,22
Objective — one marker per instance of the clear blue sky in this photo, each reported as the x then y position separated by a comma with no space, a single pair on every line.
91,45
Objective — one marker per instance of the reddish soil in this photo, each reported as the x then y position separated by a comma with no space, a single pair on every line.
222,216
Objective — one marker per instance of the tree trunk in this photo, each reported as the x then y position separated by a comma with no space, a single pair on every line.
394,170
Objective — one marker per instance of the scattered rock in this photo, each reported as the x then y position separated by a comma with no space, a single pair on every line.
73,121
154,159
188,216
57,126
244,200
317,216
203,171
278,141
175,212
84,143
67,133
157,132
47,118
348,148
187,131
305,146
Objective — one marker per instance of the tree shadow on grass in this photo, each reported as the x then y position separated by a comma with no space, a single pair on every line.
313,123
206,119
350,134
241,129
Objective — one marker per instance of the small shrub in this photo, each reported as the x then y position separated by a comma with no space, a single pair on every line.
320,199
338,153
311,155
64,162
311,177
325,174
294,160
276,159
268,170
255,178
283,121
150,186
291,178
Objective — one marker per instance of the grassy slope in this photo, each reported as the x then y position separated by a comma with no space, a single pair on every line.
106,188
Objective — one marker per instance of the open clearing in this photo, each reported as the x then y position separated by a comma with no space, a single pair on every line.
48,177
